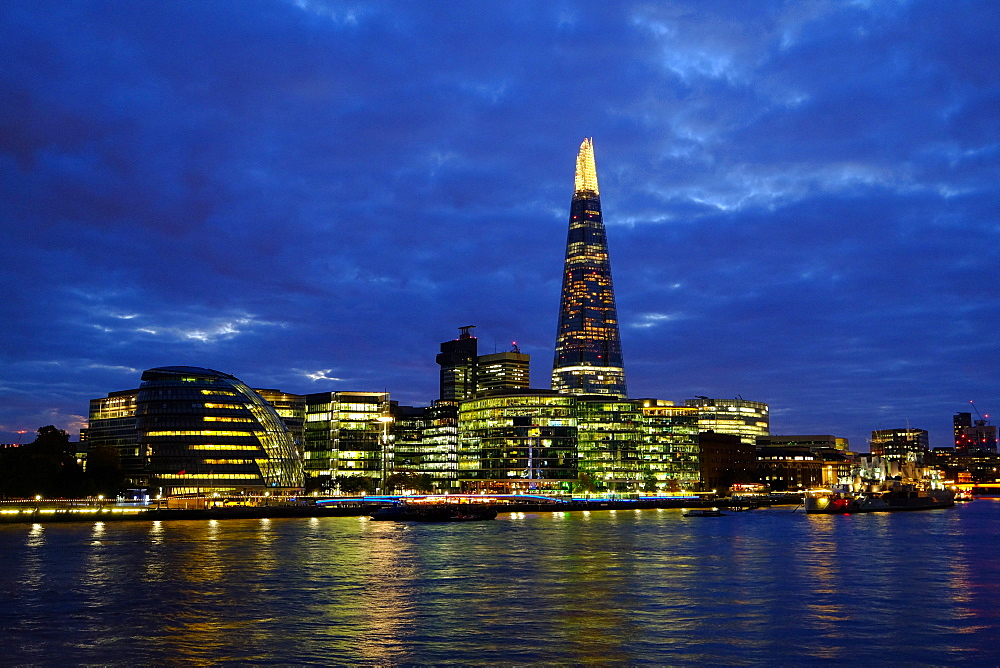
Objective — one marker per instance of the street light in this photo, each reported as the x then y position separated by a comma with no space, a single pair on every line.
385,420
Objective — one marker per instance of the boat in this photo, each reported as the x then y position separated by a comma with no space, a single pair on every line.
882,485
963,495
433,513
703,512
902,497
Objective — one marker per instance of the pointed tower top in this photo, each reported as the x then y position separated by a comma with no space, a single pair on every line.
586,169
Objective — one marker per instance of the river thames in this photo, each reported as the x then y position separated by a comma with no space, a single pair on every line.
623,587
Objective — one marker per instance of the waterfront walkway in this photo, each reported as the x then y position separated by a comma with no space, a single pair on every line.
88,510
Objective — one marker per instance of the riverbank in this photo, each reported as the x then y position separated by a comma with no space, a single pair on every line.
75,511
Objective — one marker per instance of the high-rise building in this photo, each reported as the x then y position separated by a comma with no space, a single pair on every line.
465,373
588,356
458,359
501,371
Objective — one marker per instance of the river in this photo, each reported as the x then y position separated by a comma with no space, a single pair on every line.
611,587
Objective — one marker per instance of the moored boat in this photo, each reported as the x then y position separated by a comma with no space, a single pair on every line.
907,497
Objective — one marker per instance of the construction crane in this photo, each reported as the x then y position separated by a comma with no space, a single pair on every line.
983,419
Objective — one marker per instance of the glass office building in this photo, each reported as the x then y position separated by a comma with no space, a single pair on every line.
203,431
515,441
588,356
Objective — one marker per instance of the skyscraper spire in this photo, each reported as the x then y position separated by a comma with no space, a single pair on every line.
588,357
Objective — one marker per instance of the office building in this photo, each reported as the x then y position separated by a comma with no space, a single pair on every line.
669,450
465,373
725,460
347,434
609,438
458,360
499,371
203,431
900,444
588,354
112,422
746,419
516,441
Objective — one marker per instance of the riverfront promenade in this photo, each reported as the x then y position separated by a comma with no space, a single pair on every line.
88,510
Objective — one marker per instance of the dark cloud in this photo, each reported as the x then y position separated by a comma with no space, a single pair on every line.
312,195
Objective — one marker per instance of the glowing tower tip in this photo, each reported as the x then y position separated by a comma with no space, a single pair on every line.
586,169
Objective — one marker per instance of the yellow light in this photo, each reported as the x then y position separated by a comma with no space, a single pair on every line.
586,169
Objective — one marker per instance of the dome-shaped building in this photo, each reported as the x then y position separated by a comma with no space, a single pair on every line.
202,431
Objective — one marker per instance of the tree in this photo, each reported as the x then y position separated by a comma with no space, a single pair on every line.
47,467
104,470
355,484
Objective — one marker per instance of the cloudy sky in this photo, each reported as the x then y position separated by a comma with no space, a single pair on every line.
801,197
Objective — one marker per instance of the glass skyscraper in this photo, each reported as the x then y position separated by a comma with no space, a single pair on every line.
588,357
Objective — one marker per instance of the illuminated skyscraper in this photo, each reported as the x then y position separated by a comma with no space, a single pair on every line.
588,357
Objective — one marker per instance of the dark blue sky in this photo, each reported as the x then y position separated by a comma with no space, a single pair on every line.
801,197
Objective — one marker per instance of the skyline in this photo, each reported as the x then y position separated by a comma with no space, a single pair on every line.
800,199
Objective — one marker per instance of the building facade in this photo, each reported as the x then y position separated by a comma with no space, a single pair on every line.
588,355
669,450
347,435
904,444
518,441
203,431
747,419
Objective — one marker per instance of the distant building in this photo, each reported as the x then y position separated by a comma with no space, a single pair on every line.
725,460
501,371
458,360
112,422
588,355
465,373
904,444
746,419
789,469
291,408
977,438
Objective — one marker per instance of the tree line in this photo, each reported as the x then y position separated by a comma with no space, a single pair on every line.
49,467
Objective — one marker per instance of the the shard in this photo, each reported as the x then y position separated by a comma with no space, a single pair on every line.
588,357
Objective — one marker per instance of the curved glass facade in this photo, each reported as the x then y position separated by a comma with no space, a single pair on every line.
205,431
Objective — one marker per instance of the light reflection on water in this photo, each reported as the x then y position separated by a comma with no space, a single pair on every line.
628,587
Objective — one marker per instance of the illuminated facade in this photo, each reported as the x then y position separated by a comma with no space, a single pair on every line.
669,449
509,370
608,442
900,444
346,435
203,431
458,360
739,417
588,355
518,441
112,422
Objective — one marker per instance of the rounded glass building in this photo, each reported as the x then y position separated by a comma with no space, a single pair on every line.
204,431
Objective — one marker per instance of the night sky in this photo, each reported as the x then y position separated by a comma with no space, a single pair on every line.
801,197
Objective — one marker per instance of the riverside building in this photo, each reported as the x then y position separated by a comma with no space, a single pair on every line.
202,431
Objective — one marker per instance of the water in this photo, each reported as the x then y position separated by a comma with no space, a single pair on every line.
625,587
